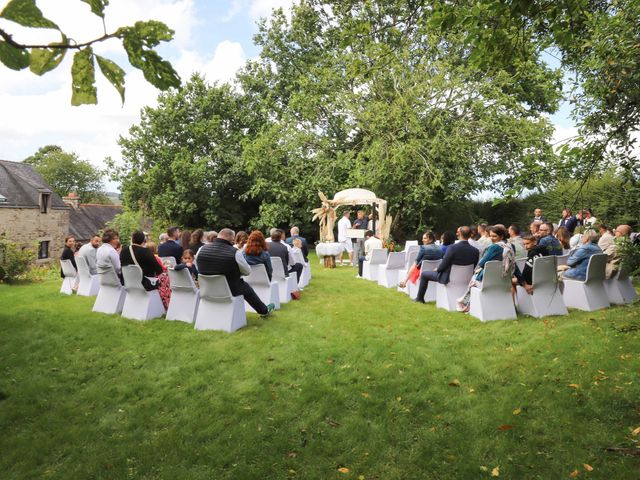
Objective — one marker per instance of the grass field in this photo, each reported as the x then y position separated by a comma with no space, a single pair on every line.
351,382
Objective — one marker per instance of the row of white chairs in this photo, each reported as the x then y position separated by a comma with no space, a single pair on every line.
210,307
493,300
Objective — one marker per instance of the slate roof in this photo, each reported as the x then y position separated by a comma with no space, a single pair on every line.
89,218
21,185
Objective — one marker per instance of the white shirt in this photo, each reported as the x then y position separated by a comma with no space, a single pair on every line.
245,268
90,254
371,244
107,257
590,222
343,225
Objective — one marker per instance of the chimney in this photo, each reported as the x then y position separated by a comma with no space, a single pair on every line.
72,199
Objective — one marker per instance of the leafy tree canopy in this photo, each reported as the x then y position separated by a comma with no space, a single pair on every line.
138,41
66,173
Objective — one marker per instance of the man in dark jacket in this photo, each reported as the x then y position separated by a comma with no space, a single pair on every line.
279,249
460,253
221,258
171,248
295,233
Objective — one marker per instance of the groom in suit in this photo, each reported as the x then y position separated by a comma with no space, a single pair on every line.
460,253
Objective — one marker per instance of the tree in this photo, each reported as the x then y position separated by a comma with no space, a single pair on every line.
66,173
138,41
183,161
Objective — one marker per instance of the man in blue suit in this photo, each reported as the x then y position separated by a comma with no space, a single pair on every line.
171,248
295,233
460,253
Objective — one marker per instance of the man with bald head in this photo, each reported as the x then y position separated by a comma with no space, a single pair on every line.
622,233
460,253
220,257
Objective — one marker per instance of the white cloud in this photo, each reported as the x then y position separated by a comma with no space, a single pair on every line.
234,9
227,58
263,8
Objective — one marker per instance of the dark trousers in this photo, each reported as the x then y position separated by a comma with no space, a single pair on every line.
424,283
361,260
252,298
298,267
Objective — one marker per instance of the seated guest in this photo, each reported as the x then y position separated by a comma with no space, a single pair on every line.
496,251
295,233
164,284
579,259
568,220
622,233
68,252
448,238
185,239
171,248
516,240
196,240
241,239
370,244
256,252
209,237
473,239
296,249
563,236
537,216
107,256
141,256
534,228
220,257
548,241
188,263
588,220
460,253
279,249
525,278
428,251
89,252
484,240
163,238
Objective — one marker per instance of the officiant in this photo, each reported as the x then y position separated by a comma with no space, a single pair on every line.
360,223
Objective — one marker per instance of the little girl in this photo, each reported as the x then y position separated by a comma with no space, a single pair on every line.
187,261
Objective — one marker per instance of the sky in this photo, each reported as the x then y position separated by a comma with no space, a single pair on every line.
213,37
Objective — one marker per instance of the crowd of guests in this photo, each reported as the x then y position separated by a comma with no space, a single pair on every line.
480,244
209,253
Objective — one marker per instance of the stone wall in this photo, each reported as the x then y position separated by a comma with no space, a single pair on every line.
27,226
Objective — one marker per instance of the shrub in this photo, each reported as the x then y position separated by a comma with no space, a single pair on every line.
630,255
15,260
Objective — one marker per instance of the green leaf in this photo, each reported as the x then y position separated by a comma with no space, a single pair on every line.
113,73
12,57
97,6
26,13
83,78
44,60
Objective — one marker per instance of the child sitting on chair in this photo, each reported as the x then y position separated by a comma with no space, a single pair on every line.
188,261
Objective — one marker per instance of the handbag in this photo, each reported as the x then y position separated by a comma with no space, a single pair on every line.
296,295
149,283
414,273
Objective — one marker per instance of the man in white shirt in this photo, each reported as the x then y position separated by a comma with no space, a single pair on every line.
107,257
588,220
370,244
343,225
89,252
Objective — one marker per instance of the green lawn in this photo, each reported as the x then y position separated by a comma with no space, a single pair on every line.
353,381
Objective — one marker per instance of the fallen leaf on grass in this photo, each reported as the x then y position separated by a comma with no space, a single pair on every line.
574,473
365,394
587,467
483,468
517,411
574,385
454,383
636,432
344,470
503,428
495,472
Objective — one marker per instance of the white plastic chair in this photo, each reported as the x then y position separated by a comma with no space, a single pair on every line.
562,259
139,304
546,298
410,243
521,262
184,296
286,285
89,285
218,309
432,288
459,278
492,300
588,295
70,277
265,289
620,289
370,267
111,295
305,279
169,262
388,273
411,255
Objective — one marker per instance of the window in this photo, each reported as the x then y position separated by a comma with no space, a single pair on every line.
44,202
43,250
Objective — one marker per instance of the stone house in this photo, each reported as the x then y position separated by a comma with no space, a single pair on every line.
31,214
87,219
